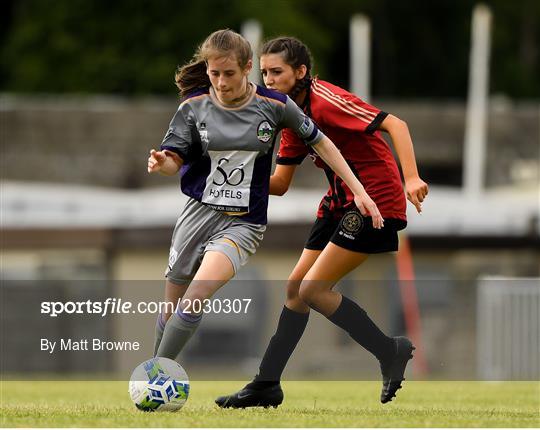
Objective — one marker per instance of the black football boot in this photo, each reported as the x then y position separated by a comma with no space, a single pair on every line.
254,394
394,369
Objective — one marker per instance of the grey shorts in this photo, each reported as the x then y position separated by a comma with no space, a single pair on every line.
200,229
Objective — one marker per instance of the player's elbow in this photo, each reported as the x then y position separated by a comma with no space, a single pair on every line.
281,190
403,125
278,187
397,123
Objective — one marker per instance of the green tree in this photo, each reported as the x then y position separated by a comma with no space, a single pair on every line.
420,47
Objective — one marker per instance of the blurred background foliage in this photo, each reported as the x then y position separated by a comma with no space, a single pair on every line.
131,47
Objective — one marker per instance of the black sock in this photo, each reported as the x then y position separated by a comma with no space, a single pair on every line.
289,331
355,321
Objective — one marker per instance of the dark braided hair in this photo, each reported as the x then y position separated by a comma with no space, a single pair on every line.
295,54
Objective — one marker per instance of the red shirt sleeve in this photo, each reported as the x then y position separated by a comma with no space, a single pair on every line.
292,150
344,110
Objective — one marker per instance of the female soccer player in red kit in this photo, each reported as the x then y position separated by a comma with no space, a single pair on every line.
341,238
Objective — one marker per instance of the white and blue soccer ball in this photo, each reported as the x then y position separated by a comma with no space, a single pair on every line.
159,384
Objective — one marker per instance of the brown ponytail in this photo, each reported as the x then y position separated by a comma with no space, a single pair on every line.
191,76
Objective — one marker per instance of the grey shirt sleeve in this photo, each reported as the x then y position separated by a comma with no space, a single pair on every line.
301,124
179,136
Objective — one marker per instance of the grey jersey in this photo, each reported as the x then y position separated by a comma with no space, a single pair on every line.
227,152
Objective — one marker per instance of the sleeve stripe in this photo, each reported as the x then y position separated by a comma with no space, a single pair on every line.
363,119
176,150
313,134
372,128
345,105
350,104
288,161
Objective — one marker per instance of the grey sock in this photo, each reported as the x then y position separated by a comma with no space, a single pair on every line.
176,334
160,326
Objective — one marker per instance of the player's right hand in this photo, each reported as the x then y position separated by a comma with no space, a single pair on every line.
156,160
368,207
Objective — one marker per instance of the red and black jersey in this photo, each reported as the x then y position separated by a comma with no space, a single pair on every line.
352,125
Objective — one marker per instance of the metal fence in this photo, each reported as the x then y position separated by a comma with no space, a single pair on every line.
508,312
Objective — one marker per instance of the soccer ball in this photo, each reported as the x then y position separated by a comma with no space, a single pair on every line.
159,384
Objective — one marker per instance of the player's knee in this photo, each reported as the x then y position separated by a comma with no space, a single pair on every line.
163,317
308,293
294,302
293,288
297,306
192,303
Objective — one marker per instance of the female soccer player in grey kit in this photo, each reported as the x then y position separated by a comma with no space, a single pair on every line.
341,239
221,140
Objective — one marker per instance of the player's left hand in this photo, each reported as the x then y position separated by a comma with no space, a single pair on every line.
416,190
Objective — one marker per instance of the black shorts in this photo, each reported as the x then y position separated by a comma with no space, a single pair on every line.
355,232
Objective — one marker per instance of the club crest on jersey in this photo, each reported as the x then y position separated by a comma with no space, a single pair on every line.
265,131
352,222
203,132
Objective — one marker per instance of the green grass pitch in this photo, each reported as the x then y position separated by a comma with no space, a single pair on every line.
307,404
